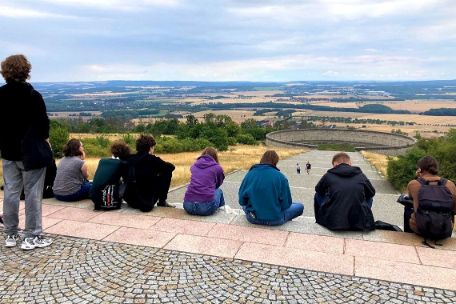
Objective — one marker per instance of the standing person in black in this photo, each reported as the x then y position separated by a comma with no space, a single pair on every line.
149,177
344,196
23,120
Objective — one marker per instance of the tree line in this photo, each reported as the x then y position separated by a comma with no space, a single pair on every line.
402,169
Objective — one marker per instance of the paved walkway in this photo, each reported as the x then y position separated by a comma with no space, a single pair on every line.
87,271
338,261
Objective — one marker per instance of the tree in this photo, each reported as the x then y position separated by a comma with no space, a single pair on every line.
58,136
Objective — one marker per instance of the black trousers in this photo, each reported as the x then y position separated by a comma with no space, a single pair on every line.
145,196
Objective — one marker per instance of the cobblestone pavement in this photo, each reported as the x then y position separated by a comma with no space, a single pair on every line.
85,271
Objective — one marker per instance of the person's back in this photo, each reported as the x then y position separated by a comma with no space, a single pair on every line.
149,177
203,195
69,178
344,197
109,172
22,107
107,188
265,194
434,202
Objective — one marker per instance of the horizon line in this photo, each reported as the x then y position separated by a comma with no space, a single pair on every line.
243,81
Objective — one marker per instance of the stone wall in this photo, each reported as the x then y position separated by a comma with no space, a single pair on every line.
380,142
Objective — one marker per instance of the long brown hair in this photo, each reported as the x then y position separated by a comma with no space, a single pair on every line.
212,152
71,148
270,157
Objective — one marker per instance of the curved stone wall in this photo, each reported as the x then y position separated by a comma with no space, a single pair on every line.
385,143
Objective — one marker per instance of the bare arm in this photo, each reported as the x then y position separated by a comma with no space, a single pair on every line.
85,171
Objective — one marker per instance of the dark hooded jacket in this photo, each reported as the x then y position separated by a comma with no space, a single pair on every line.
22,108
347,190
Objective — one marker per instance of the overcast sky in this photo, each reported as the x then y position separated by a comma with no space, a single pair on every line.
256,40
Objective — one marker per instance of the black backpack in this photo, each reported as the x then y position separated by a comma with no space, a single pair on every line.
434,217
110,197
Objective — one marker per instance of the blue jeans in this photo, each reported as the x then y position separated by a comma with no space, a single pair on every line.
32,181
81,194
206,208
320,200
295,210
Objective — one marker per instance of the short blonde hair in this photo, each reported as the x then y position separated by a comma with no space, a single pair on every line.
341,158
16,68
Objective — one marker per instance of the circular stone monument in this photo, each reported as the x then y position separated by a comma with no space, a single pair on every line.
380,142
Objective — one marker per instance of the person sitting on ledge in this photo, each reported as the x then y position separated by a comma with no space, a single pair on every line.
203,195
106,191
71,181
434,202
265,194
344,196
149,177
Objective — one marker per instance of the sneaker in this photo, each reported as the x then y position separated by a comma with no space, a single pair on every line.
11,240
27,244
165,204
42,242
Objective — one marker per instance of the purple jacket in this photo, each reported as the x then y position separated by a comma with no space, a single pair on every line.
207,176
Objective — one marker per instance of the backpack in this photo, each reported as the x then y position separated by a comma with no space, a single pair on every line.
110,197
106,192
434,216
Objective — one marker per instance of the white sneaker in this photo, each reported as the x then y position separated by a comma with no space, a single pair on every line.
28,244
41,242
11,240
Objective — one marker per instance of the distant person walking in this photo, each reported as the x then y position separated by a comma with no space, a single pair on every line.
71,182
23,119
203,195
265,194
298,168
308,167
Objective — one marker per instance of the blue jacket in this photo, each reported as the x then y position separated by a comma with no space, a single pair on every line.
265,192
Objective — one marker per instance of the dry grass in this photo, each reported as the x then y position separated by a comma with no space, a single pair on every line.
379,161
237,157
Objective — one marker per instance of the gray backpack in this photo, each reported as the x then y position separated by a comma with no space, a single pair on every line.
434,217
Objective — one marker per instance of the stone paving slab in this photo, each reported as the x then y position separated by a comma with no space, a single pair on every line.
87,271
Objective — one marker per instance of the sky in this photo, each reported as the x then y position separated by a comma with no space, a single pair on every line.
232,40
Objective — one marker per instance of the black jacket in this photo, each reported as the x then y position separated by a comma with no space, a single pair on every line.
152,178
347,189
21,108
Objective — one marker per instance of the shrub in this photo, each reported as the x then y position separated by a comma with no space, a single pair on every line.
402,169
58,136
246,139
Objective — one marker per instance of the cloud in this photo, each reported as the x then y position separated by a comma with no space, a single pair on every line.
351,9
120,5
365,67
17,12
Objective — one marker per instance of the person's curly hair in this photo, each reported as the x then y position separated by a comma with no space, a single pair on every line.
71,148
16,68
144,143
120,149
